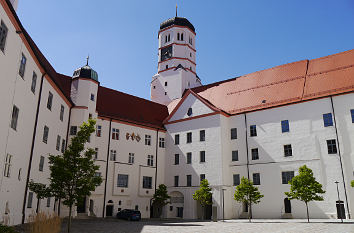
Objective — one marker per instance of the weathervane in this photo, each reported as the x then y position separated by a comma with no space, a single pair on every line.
87,59
176,9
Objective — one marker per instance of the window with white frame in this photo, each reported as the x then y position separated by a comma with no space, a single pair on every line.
14,117
50,100
113,155
8,161
147,182
57,147
73,130
22,69
131,158
30,200
98,130
45,134
162,142
34,82
147,140
150,160
61,117
41,163
96,154
3,35
122,180
287,176
115,134
63,146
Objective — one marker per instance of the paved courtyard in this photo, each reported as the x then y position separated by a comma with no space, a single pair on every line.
258,225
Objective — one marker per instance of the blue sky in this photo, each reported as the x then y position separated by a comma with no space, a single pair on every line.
233,37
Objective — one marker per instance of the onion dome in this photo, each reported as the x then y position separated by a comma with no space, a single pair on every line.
179,21
86,72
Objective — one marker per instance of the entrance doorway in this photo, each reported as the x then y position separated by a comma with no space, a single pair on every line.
287,205
81,206
109,210
180,212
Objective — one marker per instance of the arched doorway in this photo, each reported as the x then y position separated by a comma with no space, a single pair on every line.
287,206
109,209
177,205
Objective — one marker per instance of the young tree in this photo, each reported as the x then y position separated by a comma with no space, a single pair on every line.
161,197
73,174
203,195
304,187
247,193
41,191
352,183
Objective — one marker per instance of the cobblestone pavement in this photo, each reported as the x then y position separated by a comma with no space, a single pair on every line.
179,226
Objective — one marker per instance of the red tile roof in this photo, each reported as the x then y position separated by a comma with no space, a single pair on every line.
285,84
121,106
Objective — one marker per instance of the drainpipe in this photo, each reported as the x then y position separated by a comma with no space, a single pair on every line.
248,169
32,149
340,157
157,138
105,182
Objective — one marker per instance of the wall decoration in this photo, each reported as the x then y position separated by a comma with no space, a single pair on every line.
133,137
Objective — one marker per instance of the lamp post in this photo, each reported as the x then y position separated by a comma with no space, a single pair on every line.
339,202
223,204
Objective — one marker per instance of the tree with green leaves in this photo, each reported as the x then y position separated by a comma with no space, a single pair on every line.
161,197
304,187
41,191
73,174
352,183
203,195
247,193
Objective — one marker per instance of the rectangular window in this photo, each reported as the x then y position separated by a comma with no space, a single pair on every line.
147,182
113,155
96,154
327,119
189,137
98,174
45,134
189,180
3,35
202,177
58,143
286,177
189,157
63,146
352,114
233,133
30,200
255,155
235,155
41,163
115,134
288,150
253,131
202,156
73,130
332,146
34,82
147,140
131,158
236,179
22,69
14,117
161,142
7,170
92,97
256,179
176,139
150,160
284,126
123,180
50,101
176,159
202,135
61,113
176,179
98,130
48,202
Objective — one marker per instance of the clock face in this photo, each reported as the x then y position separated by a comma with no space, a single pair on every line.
166,53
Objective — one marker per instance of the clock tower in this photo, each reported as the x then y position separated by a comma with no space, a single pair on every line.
176,69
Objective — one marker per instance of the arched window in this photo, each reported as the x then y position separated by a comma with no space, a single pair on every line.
182,36
169,38
178,36
165,39
287,205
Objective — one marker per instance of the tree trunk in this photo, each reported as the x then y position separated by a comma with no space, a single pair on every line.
307,210
38,201
69,221
59,207
203,212
249,212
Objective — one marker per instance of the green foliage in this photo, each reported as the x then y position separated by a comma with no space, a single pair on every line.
304,186
41,190
73,174
352,183
203,195
7,229
161,196
246,192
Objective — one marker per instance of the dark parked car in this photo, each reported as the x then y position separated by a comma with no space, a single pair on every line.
129,214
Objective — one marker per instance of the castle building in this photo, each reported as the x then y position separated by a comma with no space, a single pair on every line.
263,126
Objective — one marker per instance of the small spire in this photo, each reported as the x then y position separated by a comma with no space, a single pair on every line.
176,9
87,59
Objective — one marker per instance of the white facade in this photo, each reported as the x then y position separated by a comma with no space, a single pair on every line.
142,151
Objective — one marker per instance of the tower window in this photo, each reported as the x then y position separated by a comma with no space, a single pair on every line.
169,38
165,93
190,54
154,87
165,84
165,39
190,112
182,36
178,36
166,66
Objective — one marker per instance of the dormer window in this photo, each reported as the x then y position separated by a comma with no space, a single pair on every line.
189,112
165,84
